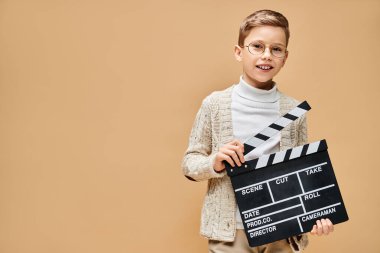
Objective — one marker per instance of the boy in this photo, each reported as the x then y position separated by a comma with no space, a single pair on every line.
227,118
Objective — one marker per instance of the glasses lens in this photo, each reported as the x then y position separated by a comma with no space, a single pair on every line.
278,51
256,48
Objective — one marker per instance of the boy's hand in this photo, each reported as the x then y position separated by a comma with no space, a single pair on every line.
232,153
322,227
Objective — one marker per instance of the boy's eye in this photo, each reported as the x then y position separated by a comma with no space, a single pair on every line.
277,49
257,46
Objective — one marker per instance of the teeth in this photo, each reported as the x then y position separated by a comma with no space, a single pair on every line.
264,67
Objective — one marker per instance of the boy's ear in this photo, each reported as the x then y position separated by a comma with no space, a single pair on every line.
238,52
285,58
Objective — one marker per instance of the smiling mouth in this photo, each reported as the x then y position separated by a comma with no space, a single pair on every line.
264,67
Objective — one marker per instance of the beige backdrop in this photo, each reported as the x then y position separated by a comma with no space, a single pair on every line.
97,99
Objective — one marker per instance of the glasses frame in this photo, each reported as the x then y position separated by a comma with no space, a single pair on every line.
265,48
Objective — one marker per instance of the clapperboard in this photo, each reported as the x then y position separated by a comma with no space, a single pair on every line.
283,194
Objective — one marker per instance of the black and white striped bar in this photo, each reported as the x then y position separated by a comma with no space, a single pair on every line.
276,127
282,156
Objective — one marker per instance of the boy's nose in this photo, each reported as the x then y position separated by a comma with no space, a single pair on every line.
266,54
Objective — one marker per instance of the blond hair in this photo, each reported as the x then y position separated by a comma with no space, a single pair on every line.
263,18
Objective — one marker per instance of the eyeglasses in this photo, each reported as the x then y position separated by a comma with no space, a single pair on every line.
256,48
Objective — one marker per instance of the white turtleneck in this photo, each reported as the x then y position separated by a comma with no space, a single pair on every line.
254,109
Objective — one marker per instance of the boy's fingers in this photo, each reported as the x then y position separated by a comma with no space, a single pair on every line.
241,152
227,159
233,155
235,142
322,227
330,225
241,146
241,156
319,228
239,149
234,152
223,157
325,227
313,231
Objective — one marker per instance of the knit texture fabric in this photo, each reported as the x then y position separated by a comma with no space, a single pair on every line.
211,130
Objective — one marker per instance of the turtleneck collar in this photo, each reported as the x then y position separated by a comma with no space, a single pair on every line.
249,92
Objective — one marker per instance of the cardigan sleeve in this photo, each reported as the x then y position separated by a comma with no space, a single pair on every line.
302,131
197,163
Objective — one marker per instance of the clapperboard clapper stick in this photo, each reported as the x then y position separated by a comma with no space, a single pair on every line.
283,194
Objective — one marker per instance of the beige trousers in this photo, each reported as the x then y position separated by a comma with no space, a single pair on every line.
240,245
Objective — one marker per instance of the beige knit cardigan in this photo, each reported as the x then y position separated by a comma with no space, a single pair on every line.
211,130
